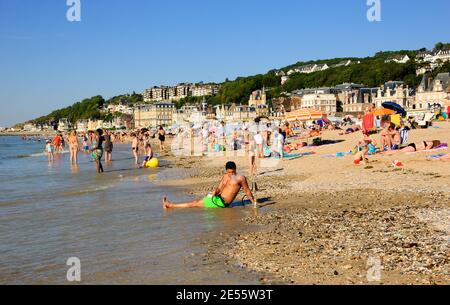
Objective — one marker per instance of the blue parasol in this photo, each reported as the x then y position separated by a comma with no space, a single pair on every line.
395,107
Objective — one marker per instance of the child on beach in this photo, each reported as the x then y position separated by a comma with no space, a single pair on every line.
148,150
49,150
85,143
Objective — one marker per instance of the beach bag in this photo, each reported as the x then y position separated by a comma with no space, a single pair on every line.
317,141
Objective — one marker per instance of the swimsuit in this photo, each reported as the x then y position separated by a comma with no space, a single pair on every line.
162,138
97,153
214,202
413,145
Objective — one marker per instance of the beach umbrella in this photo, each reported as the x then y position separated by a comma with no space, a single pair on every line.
395,107
383,112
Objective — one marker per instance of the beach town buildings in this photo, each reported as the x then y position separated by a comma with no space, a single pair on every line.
325,102
285,104
432,92
432,60
233,113
122,108
307,69
180,91
397,92
204,90
258,101
154,115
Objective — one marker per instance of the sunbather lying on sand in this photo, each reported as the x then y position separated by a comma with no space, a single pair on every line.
223,196
413,147
352,129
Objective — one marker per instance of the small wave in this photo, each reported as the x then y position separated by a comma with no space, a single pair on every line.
87,190
41,154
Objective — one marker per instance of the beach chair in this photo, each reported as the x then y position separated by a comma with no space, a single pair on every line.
426,121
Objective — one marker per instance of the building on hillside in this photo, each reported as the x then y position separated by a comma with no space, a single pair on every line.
204,90
397,92
284,79
431,92
154,115
434,57
401,59
343,63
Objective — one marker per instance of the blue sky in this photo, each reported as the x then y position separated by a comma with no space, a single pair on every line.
122,46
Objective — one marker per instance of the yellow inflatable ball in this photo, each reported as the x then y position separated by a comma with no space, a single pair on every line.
152,163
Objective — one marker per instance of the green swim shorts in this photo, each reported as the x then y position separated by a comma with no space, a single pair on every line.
215,202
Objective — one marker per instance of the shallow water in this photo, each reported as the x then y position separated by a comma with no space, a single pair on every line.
113,223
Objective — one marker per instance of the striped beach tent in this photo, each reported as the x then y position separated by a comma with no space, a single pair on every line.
306,114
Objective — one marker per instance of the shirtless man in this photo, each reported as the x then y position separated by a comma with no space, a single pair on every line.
223,196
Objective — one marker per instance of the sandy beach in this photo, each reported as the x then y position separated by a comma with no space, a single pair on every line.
325,220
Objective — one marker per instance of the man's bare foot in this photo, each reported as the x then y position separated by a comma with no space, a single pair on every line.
166,203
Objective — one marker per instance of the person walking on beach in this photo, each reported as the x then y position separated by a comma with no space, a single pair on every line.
161,138
224,195
57,143
135,148
108,147
73,147
97,149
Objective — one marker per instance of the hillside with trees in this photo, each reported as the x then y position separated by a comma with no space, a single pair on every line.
370,71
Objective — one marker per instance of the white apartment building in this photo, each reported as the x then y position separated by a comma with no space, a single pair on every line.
320,101
204,90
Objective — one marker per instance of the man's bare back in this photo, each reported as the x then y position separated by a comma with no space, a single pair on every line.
230,187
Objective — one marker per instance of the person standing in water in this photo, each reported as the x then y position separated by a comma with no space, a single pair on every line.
108,147
135,148
49,150
73,147
97,149
161,138
224,195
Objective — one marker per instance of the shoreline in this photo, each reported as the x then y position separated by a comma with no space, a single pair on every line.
326,210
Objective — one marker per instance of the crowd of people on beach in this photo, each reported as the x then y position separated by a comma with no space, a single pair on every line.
259,139
100,144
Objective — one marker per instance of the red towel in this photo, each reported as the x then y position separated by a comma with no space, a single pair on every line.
368,122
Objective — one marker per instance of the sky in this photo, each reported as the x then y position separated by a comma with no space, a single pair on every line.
121,46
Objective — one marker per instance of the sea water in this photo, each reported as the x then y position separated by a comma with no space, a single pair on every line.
113,223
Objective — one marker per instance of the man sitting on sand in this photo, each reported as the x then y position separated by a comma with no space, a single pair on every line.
223,196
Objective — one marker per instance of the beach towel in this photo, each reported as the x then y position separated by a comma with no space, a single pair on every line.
433,157
396,118
368,122
296,156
